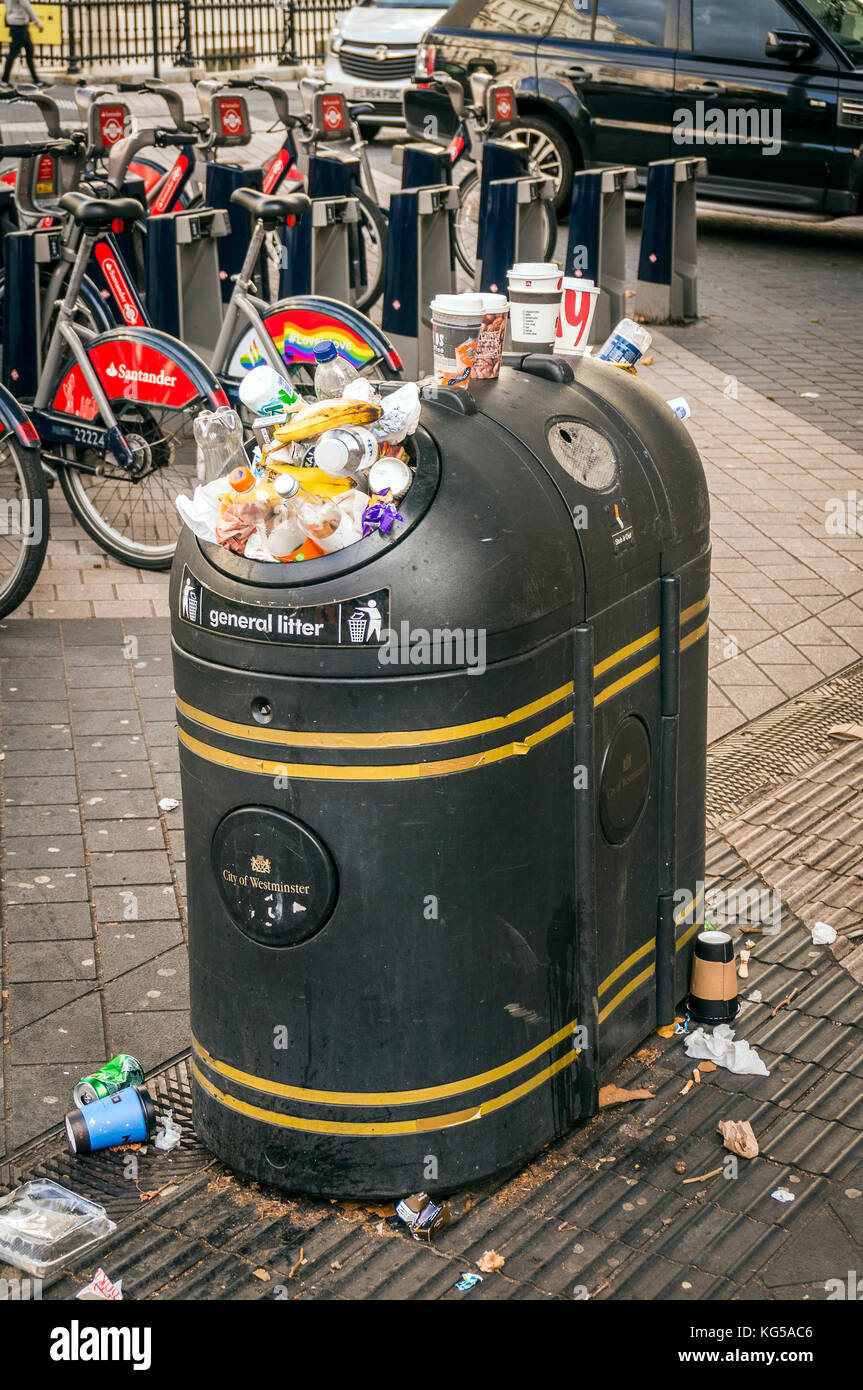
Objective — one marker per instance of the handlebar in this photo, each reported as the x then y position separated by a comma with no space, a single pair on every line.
178,138
72,146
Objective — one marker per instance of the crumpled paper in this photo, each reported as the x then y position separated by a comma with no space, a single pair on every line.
823,934
201,512
739,1137
720,1047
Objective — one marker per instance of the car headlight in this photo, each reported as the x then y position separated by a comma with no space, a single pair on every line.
335,43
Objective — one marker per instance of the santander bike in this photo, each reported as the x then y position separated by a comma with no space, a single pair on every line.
112,408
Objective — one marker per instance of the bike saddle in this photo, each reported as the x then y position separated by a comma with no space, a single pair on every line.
100,212
268,208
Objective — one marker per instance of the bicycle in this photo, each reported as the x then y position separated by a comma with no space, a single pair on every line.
250,327
463,128
24,512
320,124
112,409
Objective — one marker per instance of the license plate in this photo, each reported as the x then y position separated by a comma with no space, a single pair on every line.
374,94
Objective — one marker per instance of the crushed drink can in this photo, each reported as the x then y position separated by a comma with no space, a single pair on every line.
126,1117
121,1071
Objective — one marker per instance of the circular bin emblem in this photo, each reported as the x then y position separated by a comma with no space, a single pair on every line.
276,878
625,780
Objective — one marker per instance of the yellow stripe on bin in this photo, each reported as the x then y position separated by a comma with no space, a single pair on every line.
627,990
416,1097
615,688
384,772
385,1128
407,739
624,966
694,608
642,951
621,655
693,636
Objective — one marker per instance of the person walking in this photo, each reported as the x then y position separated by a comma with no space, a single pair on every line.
19,16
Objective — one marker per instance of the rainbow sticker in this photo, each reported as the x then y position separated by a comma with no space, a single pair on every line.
295,333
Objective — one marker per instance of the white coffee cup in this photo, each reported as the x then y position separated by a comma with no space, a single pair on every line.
534,300
577,307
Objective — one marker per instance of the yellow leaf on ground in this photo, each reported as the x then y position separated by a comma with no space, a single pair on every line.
615,1095
261,1274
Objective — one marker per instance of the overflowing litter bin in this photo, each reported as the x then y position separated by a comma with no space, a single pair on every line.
444,793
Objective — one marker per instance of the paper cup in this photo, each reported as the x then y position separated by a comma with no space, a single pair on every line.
577,308
456,323
535,275
489,344
534,306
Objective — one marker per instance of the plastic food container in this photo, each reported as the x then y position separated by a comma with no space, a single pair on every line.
43,1225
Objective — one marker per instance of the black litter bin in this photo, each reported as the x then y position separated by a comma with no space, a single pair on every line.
440,884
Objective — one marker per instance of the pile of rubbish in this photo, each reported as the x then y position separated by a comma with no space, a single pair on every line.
319,477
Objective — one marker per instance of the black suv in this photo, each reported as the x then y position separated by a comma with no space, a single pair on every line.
769,91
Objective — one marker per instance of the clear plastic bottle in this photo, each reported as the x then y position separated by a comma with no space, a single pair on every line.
332,372
320,516
219,440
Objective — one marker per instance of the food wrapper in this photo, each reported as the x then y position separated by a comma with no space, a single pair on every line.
401,415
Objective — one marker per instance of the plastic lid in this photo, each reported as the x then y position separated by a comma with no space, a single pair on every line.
286,485
467,304
325,351
241,479
331,455
490,302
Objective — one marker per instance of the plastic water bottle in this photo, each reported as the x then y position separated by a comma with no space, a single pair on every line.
332,373
219,439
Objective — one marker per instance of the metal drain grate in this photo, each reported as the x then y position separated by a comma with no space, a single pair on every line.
780,745
106,1176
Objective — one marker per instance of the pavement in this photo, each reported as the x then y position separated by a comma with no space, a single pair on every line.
93,928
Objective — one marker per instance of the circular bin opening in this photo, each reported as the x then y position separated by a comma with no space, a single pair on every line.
413,506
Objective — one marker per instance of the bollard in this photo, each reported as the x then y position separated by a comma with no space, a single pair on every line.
419,265
422,165
668,258
597,241
515,211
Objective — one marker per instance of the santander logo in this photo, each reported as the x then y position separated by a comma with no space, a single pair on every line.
125,373
231,117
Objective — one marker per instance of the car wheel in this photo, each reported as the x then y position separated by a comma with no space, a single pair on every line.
548,153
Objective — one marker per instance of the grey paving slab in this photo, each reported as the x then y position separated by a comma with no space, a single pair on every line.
162,983
32,961
48,884
143,903
126,945
50,922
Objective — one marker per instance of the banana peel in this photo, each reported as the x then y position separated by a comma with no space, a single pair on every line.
313,419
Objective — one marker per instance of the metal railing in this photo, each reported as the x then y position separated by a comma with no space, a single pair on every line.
218,33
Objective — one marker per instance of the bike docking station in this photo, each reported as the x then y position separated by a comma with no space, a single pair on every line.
596,247
420,263
317,250
183,276
511,225
432,123
667,290
230,127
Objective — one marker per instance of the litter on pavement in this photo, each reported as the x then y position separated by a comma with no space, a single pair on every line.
101,1289
720,1047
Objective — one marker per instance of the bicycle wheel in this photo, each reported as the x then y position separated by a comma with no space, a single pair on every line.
23,521
134,516
367,245
467,223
